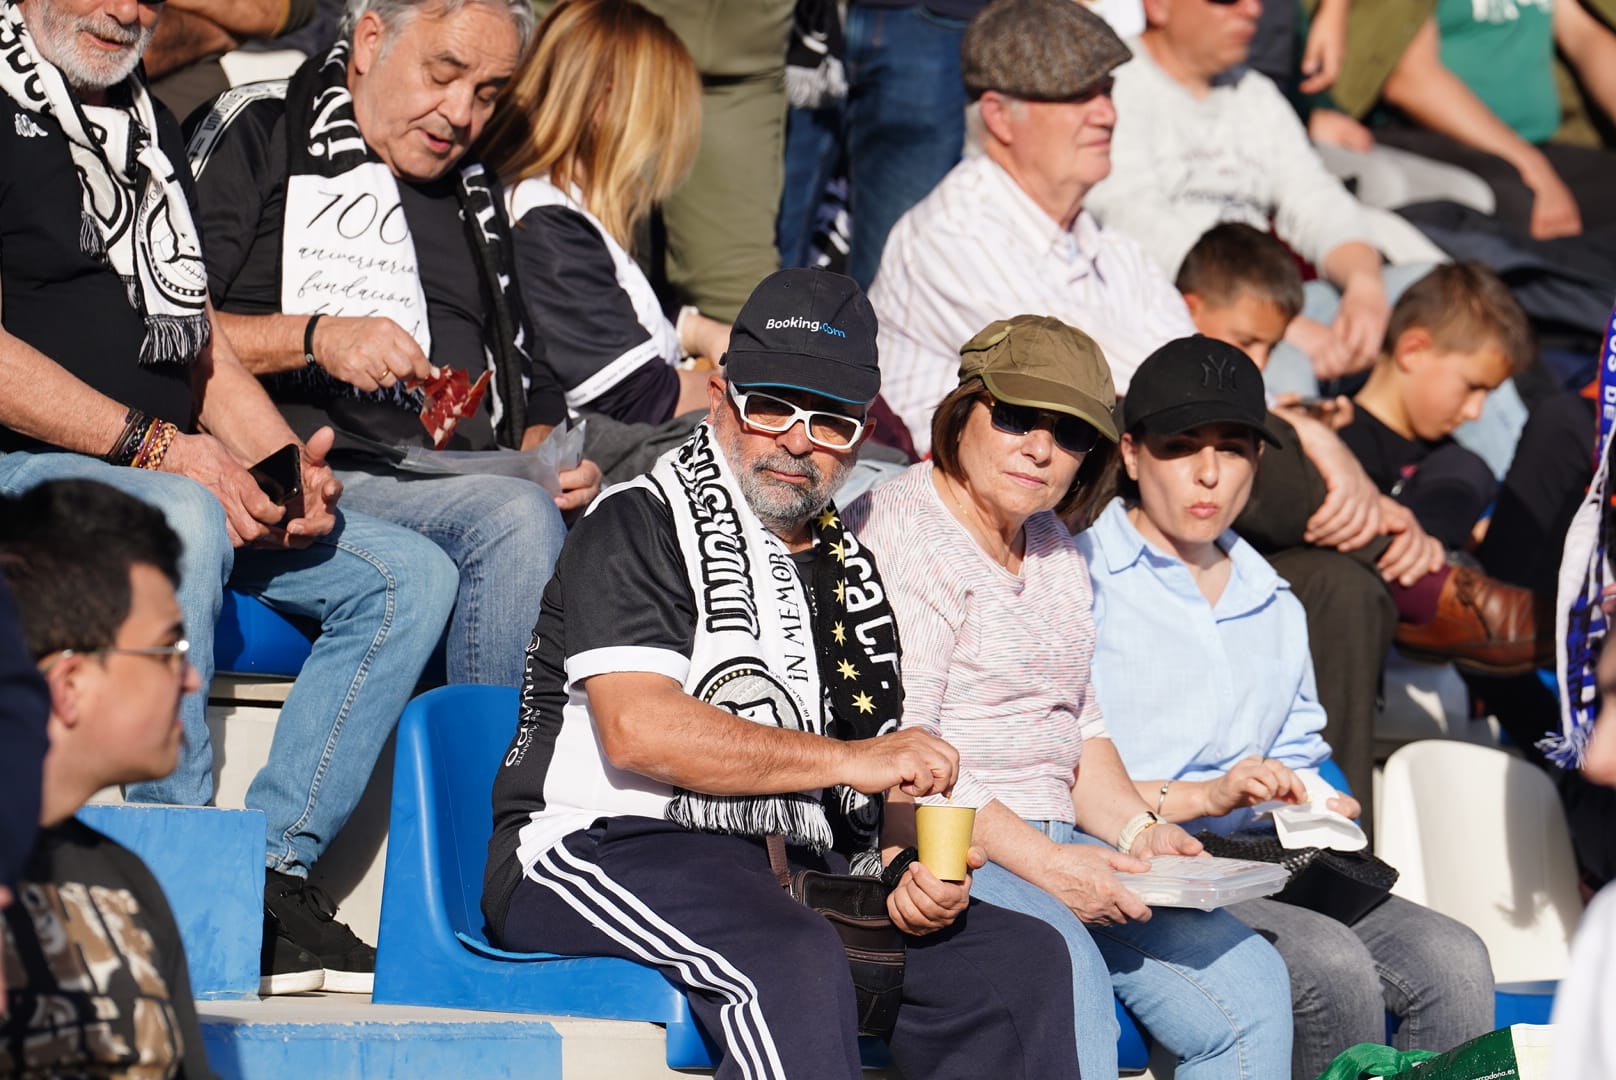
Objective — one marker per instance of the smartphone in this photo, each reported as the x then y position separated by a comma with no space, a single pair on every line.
1317,407
280,475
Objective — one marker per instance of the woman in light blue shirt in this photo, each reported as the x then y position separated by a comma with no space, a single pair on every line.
1203,673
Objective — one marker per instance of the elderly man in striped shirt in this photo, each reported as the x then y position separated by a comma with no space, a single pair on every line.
1006,231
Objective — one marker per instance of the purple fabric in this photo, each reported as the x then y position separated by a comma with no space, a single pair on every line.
1417,603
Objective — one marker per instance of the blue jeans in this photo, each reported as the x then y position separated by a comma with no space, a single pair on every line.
381,595
503,533
903,126
1431,971
1203,985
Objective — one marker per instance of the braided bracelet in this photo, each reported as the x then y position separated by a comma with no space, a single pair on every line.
156,443
144,449
124,449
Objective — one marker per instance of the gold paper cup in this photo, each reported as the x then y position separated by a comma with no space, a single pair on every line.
943,834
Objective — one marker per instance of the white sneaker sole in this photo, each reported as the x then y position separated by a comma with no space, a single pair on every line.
348,982
291,982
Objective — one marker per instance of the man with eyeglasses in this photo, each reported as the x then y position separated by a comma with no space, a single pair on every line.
97,982
1007,230
114,367
716,664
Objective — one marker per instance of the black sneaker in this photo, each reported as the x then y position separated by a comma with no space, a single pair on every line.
308,917
284,966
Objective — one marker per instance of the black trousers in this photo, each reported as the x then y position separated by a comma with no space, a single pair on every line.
767,978
1585,170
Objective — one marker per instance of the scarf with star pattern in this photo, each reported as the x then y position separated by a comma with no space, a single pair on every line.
823,659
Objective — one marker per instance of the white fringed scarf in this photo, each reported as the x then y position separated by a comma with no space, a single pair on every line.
134,210
768,654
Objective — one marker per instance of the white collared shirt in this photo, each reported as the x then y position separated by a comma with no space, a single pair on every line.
977,249
1190,688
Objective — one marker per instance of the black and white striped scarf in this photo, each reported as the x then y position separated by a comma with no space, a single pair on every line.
823,660
346,247
134,211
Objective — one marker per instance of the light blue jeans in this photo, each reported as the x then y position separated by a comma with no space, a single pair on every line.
381,595
502,532
1201,983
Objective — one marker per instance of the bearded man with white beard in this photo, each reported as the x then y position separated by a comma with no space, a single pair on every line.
113,368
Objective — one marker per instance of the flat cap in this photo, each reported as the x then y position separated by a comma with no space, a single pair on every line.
1038,50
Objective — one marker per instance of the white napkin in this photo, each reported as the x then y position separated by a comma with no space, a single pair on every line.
1313,823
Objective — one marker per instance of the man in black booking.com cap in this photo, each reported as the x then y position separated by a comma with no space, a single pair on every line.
736,684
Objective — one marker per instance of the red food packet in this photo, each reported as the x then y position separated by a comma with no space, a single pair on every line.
450,396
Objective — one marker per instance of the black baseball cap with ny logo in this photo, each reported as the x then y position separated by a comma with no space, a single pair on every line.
1194,381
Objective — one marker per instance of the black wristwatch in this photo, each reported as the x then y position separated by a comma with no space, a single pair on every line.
895,869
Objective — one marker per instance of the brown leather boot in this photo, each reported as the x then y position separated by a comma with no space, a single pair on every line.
1483,626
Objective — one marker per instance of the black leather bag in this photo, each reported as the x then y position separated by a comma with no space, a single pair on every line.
1345,885
856,908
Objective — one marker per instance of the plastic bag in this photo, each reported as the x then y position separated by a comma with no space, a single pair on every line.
1521,1051
1372,1059
1509,1053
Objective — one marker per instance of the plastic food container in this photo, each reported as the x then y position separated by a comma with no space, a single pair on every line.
1204,882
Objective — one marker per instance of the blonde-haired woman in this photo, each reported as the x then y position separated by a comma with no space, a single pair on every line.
602,122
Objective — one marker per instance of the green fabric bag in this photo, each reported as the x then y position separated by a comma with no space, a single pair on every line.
1372,1059
1521,1051
1513,1052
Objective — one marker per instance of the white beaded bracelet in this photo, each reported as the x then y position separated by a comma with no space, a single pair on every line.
1136,825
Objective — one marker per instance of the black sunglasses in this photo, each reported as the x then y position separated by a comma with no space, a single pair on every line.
1072,434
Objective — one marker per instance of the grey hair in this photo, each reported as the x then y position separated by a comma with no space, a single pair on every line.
396,13
977,135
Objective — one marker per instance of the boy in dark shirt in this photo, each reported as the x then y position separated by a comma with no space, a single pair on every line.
1242,286
95,974
1455,335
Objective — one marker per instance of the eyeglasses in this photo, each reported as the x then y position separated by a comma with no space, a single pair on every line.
174,656
832,431
1071,434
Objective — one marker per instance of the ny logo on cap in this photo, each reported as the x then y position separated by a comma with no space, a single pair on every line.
1214,369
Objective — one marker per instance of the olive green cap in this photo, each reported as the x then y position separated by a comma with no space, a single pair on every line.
1039,361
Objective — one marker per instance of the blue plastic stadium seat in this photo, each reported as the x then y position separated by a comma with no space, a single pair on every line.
431,949
1133,1050
1524,1002
251,638
1332,774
